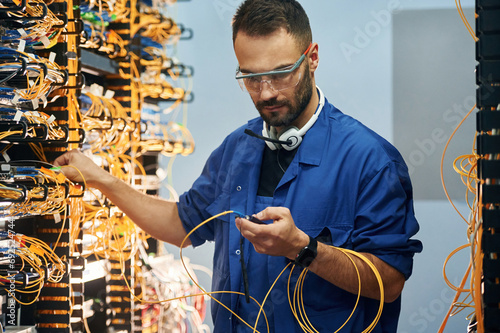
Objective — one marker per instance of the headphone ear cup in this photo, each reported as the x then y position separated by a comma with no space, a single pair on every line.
291,134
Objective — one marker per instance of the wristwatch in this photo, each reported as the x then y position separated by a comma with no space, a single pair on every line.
306,256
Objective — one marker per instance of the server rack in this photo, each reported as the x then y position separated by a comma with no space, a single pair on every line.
488,149
59,59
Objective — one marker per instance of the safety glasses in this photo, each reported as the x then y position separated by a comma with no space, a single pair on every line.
277,79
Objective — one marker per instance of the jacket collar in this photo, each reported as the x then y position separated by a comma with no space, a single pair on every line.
314,141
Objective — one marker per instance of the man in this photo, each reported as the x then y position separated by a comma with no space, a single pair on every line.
320,179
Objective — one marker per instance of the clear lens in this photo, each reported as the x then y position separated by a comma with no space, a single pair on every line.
277,82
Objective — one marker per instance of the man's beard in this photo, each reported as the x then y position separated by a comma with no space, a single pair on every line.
302,98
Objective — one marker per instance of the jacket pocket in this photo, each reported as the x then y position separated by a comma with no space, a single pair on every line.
325,224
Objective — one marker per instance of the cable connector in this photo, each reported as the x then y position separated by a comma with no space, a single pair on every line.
249,218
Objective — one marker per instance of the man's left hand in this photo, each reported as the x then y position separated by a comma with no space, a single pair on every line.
280,238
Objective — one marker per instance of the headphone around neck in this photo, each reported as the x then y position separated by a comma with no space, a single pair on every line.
292,136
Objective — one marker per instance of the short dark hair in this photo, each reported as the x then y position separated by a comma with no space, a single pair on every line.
264,17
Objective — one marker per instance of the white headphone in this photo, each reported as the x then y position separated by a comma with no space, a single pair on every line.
292,136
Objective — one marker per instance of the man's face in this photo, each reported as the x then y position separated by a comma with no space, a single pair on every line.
262,54
296,103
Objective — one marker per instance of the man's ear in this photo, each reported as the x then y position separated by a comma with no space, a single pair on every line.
313,57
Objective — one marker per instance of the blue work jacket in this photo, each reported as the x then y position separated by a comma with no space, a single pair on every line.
346,184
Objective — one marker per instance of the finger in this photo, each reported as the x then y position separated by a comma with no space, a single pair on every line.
237,221
71,172
246,227
273,213
248,234
61,160
66,158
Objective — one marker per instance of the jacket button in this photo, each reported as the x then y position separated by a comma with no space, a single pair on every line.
237,252
238,188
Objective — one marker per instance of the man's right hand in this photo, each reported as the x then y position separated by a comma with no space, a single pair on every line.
75,165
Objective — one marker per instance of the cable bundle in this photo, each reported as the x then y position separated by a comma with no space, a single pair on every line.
34,26
107,10
164,278
37,191
96,33
154,25
31,263
160,73
106,123
27,79
466,167
478,171
166,137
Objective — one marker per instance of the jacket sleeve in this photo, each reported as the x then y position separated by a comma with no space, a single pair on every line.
193,204
385,220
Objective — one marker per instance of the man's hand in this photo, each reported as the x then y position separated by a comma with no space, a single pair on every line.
281,238
75,164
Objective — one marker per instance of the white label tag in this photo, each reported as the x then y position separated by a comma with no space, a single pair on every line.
51,119
109,94
57,217
6,157
45,41
96,90
22,32
44,100
52,56
22,45
34,101
18,115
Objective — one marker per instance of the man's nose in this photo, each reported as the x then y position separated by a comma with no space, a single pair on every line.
267,91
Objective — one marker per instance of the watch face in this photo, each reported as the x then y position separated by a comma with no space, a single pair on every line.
306,256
